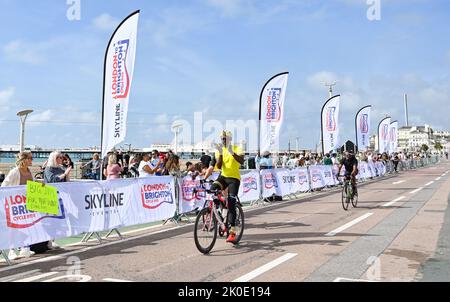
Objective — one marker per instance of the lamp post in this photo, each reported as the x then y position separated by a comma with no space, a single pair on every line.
175,128
23,117
129,148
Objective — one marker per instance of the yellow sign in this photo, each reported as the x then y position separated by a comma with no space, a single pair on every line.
42,198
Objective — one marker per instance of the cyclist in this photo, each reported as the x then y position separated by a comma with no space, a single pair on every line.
351,168
229,158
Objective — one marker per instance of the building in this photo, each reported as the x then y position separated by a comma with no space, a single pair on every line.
442,137
413,137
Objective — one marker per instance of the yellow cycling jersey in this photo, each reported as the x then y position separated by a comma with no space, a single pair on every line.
230,166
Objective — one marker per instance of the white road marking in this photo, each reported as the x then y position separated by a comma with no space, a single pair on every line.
20,275
353,280
34,278
115,235
62,256
439,178
394,201
416,190
398,182
429,183
265,268
348,225
83,278
115,280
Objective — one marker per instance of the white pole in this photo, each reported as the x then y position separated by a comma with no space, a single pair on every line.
176,141
22,133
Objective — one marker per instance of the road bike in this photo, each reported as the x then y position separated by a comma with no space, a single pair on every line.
210,219
348,195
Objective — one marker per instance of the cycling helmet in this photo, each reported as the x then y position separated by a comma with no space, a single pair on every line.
225,133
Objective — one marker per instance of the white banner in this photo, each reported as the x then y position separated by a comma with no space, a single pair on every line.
330,124
269,183
363,128
250,187
328,175
285,181
317,177
301,183
93,206
363,169
393,137
383,135
188,201
271,112
119,67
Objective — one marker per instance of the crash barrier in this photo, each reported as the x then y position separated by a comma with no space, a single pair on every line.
85,207
96,206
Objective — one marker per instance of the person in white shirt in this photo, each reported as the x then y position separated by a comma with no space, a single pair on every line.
146,168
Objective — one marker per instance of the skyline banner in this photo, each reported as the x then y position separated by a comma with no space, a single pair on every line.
393,137
362,125
383,135
117,79
91,206
330,124
271,112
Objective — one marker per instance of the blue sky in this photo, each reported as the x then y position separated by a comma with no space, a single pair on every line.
214,56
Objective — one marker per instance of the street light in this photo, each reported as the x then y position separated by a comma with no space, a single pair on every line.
23,117
175,128
129,147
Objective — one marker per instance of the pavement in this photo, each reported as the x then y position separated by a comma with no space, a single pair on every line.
398,232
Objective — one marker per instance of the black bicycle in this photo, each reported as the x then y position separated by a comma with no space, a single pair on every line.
348,195
210,220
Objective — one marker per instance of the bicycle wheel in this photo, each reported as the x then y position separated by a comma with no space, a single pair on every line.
354,200
239,223
345,198
205,230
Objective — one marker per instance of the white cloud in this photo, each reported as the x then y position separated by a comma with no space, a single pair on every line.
105,22
42,117
162,118
227,7
20,51
64,116
174,23
6,96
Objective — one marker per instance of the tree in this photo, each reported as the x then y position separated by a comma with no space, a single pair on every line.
438,146
424,148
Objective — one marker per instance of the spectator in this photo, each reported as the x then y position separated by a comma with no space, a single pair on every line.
157,163
94,165
395,161
265,162
54,172
334,159
172,166
113,169
146,168
133,170
16,177
119,158
126,165
327,160
67,161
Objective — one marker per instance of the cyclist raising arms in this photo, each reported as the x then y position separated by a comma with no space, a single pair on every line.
229,158
351,168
